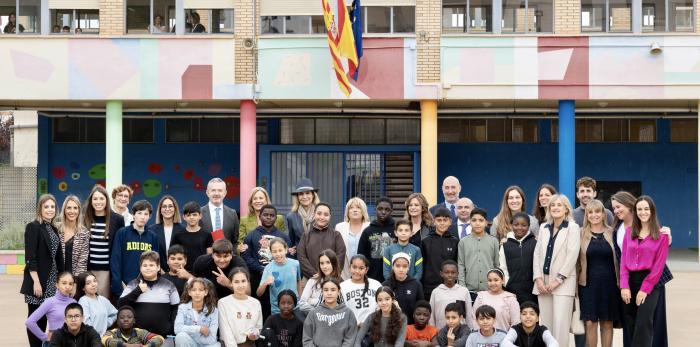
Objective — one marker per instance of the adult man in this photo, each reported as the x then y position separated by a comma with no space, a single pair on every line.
462,228
585,193
218,218
450,190
74,332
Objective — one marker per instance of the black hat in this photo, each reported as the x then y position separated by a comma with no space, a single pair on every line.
304,185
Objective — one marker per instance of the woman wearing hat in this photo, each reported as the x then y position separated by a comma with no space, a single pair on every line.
300,218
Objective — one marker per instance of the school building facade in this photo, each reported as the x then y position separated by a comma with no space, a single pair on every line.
554,90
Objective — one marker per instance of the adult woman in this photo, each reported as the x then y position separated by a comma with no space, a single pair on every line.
168,223
299,219
355,221
11,26
158,26
421,220
258,198
544,193
121,195
43,260
554,267
103,225
75,238
644,253
320,237
598,276
512,203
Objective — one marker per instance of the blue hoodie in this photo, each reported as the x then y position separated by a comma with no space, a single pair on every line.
252,240
126,253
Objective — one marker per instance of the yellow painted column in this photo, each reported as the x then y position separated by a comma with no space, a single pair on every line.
428,150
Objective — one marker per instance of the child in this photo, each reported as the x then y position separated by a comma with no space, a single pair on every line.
129,243
330,324
359,292
403,231
440,245
420,333
194,240
453,334
377,237
98,312
408,290
505,303
176,268
328,265
240,315
126,333
529,332
197,321
515,258
385,327
487,335
282,273
478,253
284,328
74,332
448,292
154,299
217,265
53,308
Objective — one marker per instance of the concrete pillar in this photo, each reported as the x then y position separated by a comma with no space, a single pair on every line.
567,149
113,144
248,155
428,150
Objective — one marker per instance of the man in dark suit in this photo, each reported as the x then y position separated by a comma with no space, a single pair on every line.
218,218
450,190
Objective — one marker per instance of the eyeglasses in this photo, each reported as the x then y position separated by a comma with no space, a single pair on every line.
74,317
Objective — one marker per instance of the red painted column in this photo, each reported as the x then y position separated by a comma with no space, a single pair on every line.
248,157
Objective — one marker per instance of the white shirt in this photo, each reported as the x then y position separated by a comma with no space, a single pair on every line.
212,214
168,231
620,235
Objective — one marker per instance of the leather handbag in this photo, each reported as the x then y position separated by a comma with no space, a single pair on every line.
577,327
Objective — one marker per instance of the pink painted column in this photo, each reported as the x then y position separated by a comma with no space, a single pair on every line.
248,157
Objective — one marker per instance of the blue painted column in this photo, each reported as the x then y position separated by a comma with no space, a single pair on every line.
567,149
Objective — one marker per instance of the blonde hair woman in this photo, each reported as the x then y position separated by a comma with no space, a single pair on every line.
257,199
301,217
75,238
512,203
355,221
418,214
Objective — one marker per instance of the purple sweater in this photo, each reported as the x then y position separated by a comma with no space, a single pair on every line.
54,310
647,254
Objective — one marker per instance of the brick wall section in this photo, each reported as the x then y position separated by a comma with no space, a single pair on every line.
245,26
428,28
112,17
567,17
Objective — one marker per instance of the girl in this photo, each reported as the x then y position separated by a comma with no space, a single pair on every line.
258,198
408,290
98,312
555,275
53,308
360,291
505,303
516,258
356,220
168,223
512,203
644,253
328,267
321,236
74,236
598,276
330,324
421,220
240,314
544,193
282,273
102,224
197,320
387,326
284,328
299,219
43,259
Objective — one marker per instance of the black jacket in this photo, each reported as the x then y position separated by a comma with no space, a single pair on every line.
518,256
86,337
408,292
37,256
370,245
205,265
533,340
162,247
436,249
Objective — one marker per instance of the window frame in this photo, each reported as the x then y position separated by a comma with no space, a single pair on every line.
236,124
391,22
554,126
507,130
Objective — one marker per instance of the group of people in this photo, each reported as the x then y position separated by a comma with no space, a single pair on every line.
447,275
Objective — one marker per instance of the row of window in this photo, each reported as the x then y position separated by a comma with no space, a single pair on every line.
372,131
376,20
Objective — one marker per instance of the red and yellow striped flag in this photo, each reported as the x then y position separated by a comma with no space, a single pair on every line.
341,42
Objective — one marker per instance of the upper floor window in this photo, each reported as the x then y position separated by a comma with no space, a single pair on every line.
20,17
75,21
655,13
527,16
210,16
150,16
606,16
301,24
468,16
389,19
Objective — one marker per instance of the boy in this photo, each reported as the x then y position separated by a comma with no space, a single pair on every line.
453,334
376,238
129,243
217,265
126,333
176,268
154,299
420,333
478,253
194,240
487,335
439,246
448,292
74,333
529,332
403,232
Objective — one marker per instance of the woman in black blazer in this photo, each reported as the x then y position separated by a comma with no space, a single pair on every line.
43,260
168,223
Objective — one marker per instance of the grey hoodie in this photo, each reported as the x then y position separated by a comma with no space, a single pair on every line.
330,327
